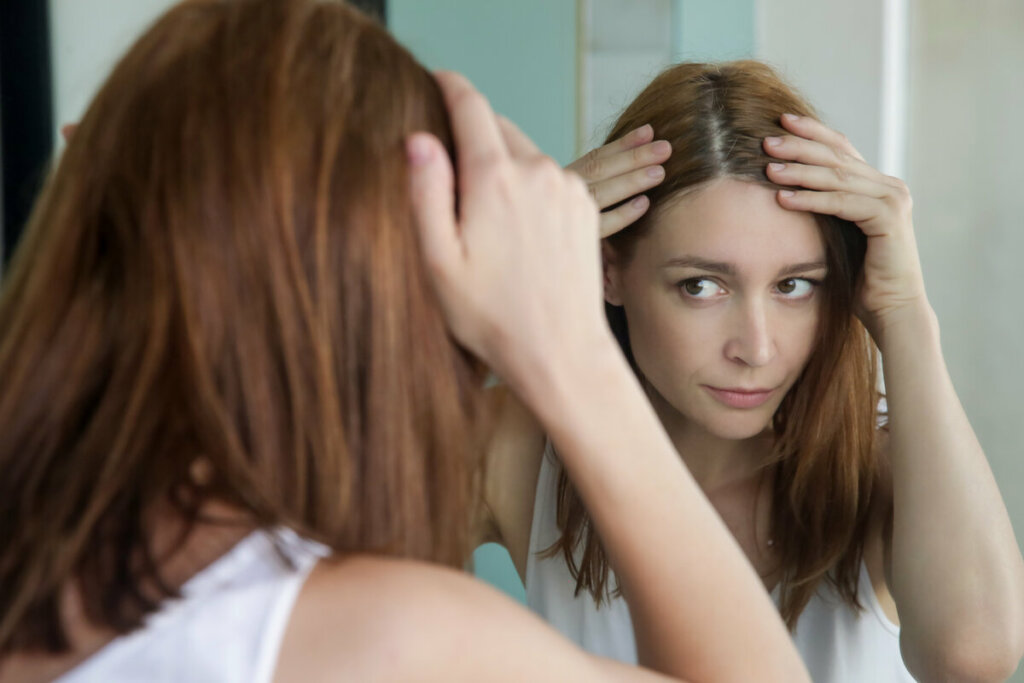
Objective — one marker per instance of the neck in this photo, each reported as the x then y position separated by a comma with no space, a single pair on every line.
715,462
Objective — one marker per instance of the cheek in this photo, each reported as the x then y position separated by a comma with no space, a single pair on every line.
666,343
801,334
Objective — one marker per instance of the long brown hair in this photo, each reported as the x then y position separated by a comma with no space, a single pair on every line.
716,117
223,266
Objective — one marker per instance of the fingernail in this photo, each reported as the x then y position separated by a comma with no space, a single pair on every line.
644,132
773,141
640,202
662,147
791,117
775,166
657,172
786,193
418,150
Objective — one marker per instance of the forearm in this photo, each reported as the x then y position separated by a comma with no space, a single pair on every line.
699,610
958,577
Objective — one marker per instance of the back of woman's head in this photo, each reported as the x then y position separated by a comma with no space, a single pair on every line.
716,117
222,270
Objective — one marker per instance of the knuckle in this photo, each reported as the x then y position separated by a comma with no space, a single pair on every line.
489,167
437,266
584,192
547,168
577,184
900,196
592,166
471,97
840,200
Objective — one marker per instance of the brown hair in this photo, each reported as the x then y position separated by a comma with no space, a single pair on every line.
223,265
716,117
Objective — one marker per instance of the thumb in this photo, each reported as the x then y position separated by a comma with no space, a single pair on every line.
432,193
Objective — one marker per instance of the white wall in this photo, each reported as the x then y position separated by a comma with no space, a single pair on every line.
87,39
939,103
625,43
965,170
831,51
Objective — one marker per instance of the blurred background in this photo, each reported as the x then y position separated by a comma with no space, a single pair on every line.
929,90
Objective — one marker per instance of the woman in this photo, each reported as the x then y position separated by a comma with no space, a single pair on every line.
741,298
239,440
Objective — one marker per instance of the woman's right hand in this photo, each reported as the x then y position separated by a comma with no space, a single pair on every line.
517,271
620,170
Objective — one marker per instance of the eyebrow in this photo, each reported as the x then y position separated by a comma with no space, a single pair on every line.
729,269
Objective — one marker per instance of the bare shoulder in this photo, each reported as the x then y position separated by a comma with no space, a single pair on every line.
369,618
513,462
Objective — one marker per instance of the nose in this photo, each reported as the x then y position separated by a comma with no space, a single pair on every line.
751,341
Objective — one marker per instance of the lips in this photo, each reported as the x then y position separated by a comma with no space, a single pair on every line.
740,398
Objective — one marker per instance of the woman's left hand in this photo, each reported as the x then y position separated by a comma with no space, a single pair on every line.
839,182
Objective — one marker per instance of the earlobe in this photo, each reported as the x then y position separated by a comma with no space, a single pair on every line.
611,274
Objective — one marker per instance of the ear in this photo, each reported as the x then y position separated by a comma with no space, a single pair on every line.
610,266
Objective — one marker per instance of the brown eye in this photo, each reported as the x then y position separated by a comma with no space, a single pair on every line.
694,287
796,288
701,288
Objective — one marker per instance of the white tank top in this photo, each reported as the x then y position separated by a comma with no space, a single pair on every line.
838,645
226,628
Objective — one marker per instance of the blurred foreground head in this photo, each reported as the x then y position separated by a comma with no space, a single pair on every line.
223,270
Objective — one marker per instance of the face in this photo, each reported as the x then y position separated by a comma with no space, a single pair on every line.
722,298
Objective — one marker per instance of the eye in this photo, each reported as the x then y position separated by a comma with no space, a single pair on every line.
701,288
796,287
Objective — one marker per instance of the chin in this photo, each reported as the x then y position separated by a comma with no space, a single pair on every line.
738,427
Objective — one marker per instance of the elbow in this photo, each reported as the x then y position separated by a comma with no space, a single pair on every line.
978,656
987,665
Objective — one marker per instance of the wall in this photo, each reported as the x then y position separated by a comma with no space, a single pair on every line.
965,170
841,77
87,39
521,54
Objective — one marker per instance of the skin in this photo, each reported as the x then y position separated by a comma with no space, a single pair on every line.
517,273
951,573
723,293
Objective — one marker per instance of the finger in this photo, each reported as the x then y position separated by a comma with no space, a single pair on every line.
634,138
519,144
475,128
622,216
825,178
811,128
432,196
67,131
612,191
856,208
595,169
804,150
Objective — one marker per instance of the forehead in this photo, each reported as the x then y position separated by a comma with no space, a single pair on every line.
733,221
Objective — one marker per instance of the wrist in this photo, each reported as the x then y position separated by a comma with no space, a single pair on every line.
554,381
914,324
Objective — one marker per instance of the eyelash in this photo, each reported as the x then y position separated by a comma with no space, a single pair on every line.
814,284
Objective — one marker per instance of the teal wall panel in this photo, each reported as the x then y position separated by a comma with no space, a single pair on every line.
521,55
713,30
492,563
